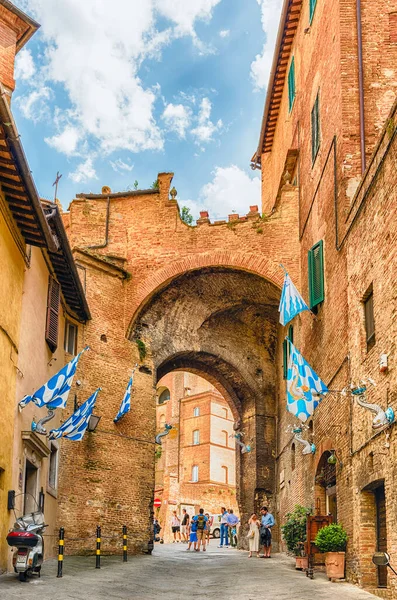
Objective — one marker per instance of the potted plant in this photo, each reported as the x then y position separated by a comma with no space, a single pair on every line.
294,534
332,539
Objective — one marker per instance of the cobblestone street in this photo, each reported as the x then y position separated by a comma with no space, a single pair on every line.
172,573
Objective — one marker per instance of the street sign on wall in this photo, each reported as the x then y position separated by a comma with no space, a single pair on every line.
157,503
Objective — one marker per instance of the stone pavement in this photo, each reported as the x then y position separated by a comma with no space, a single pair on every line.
174,574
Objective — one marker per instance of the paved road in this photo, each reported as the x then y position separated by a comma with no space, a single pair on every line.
171,573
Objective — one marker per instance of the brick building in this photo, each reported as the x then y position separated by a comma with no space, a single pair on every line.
197,464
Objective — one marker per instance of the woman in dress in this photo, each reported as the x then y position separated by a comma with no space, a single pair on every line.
253,535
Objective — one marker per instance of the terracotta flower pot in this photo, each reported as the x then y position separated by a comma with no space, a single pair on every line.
335,565
301,562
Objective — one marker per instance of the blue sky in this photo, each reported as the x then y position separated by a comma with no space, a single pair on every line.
109,92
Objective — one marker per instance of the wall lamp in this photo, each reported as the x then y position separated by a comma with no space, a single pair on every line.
333,459
93,422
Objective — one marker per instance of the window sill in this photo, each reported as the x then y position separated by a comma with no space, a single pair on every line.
52,491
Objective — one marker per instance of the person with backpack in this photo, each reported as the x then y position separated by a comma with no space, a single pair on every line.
201,521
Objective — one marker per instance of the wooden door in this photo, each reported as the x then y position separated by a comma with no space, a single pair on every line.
313,525
381,532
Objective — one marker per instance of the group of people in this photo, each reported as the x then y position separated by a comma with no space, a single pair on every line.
260,533
196,531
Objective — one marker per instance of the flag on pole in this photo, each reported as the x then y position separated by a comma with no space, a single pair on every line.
75,426
304,387
291,303
54,393
125,406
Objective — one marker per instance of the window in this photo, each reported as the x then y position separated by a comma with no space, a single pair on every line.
196,411
195,473
315,118
70,342
316,274
225,475
293,457
53,467
225,437
291,84
286,351
225,413
52,322
164,396
369,317
196,437
312,7
162,422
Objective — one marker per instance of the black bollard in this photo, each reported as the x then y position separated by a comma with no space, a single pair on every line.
98,548
60,551
124,543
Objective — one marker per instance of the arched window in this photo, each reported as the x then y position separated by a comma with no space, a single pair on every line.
225,436
196,437
164,396
293,457
195,473
225,413
196,411
225,475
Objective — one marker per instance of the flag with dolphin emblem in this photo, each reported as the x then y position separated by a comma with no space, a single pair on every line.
125,405
304,387
54,393
291,302
75,426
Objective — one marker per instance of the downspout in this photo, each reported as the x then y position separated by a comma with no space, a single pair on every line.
98,246
361,86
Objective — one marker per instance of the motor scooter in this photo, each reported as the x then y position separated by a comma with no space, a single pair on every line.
27,537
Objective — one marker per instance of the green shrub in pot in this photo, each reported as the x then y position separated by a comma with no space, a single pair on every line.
332,538
294,529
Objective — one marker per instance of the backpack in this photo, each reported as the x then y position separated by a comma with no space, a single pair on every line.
201,522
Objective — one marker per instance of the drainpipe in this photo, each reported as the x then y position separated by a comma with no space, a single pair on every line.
98,246
361,85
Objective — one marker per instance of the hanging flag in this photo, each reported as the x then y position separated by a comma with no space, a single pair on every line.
125,406
75,426
54,393
304,386
291,303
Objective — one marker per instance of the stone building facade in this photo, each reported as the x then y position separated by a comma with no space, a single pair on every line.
196,466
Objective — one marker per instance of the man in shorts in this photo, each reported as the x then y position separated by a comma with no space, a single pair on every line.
185,526
201,521
176,527
192,536
267,522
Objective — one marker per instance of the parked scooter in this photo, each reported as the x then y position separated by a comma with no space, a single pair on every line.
27,537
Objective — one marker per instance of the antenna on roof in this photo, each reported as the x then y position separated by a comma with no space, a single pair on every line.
58,177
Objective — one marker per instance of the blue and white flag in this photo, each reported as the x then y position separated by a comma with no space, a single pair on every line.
125,406
75,426
291,303
54,393
304,387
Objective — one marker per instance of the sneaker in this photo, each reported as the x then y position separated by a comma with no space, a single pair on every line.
219,546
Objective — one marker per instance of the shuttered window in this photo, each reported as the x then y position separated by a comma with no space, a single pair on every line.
312,7
51,330
291,84
315,119
286,351
316,274
369,318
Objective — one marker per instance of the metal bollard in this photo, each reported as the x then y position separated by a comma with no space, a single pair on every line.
124,543
98,548
60,551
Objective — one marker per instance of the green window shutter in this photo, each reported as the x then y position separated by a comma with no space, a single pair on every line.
312,7
286,351
291,333
291,84
316,274
315,121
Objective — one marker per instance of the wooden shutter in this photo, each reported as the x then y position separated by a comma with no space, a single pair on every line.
291,84
316,274
312,8
286,351
369,318
51,330
315,121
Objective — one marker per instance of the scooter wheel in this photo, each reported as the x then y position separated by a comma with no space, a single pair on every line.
23,576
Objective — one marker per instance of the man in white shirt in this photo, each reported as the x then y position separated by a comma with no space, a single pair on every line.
224,528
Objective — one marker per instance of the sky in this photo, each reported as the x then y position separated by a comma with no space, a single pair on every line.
112,92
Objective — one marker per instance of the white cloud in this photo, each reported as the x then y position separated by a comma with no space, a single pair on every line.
231,189
261,66
95,49
66,142
24,65
177,118
84,172
34,106
205,129
119,166
224,33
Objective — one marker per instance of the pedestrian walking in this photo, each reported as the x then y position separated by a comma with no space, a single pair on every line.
176,527
193,535
232,522
224,541
185,526
201,521
253,535
208,528
267,522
